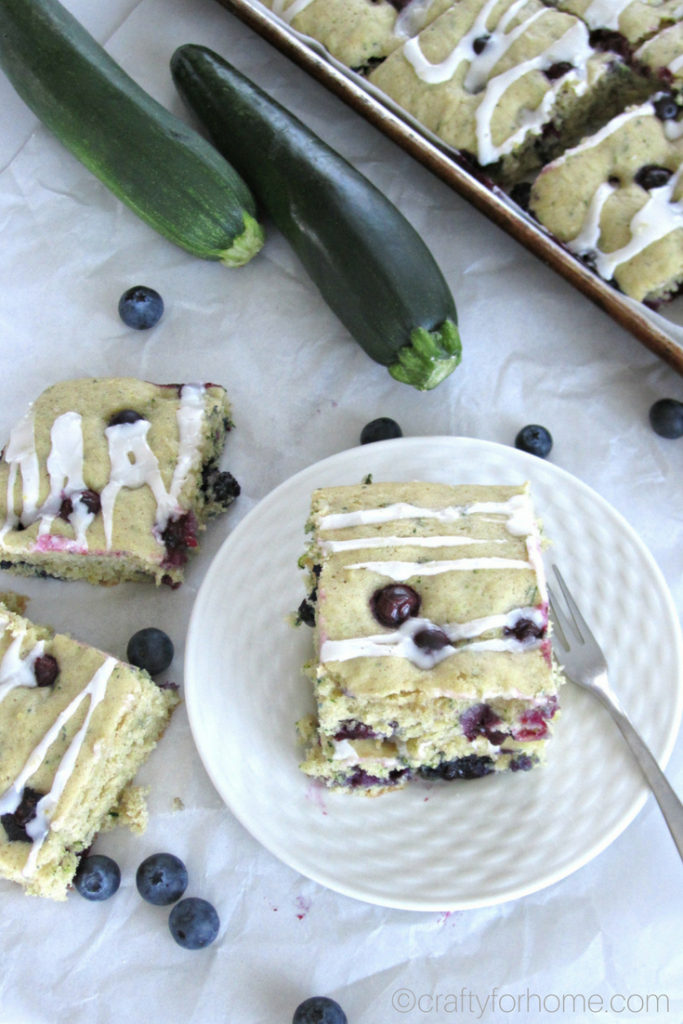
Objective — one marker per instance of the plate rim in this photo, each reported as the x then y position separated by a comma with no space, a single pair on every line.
329,880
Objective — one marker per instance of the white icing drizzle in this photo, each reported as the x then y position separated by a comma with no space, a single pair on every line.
400,642
402,571
517,509
676,64
39,826
134,464
573,47
21,456
447,541
412,18
15,670
605,13
65,469
289,13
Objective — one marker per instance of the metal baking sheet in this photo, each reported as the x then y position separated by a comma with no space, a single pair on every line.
656,331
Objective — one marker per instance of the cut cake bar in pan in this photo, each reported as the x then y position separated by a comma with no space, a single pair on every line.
616,199
75,727
111,479
431,634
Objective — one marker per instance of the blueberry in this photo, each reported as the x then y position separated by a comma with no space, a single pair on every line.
97,877
124,416
521,194
194,923
430,639
534,439
141,307
651,176
45,669
480,44
151,649
393,604
558,70
472,766
319,1010
666,417
665,106
381,429
161,879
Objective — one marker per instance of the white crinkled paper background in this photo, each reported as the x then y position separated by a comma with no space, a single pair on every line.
534,351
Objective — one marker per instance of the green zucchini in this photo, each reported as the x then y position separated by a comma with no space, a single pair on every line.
370,265
160,167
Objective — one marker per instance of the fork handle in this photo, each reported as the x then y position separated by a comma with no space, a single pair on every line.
669,803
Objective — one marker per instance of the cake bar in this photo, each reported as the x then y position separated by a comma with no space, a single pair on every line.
75,726
432,654
358,32
110,479
616,199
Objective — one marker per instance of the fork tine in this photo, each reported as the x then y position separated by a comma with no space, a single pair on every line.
580,624
559,619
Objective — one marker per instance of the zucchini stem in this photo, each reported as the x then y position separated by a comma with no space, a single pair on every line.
246,245
429,357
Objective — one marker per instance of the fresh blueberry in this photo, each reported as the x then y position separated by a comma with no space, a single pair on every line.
319,1010
194,923
97,877
393,604
161,879
151,649
534,439
666,417
381,429
141,307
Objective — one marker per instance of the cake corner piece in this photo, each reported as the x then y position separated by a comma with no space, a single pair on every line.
76,724
112,479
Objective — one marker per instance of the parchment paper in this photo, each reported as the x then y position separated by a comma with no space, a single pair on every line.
534,351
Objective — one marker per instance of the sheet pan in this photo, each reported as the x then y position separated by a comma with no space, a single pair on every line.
657,331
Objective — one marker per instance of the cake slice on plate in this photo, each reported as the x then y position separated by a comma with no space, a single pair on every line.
430,620
110,479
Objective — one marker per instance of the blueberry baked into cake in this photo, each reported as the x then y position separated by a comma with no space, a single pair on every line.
515,85
430,616
75,726
111,479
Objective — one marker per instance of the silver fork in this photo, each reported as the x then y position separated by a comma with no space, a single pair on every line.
584,663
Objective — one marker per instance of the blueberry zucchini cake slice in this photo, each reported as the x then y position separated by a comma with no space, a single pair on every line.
430,621
616,199
111,479
75,727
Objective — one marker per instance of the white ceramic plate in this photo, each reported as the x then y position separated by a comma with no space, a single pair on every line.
430,846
